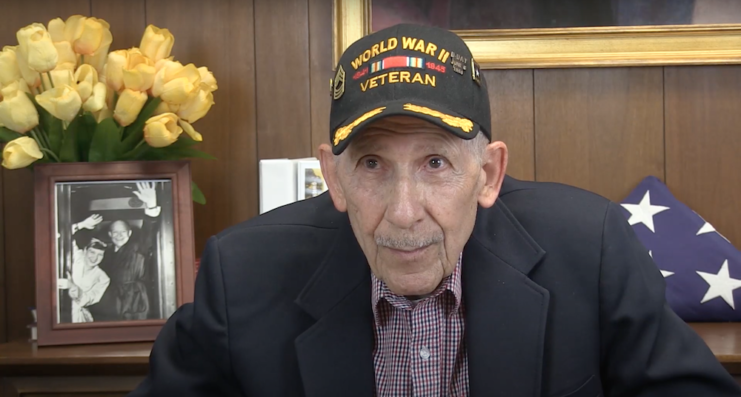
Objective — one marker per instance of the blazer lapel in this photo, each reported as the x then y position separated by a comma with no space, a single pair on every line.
505,310
336,354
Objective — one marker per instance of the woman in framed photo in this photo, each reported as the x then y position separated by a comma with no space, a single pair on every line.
87,282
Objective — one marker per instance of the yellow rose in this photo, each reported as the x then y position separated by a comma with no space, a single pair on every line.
129,69
20,152
117,60
208,81
96,101
63,102
175,83
35,48
190,130
196,107
9,71
60,77
86,77
93,35
10,89
129,104
67,57
162,130
90,37
17,112
157,43
138,74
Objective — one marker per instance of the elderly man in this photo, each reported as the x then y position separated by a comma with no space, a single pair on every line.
425,271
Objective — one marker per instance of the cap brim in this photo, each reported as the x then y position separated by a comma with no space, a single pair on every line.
458,125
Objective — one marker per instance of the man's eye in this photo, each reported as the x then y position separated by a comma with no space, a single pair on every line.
436,162
371,163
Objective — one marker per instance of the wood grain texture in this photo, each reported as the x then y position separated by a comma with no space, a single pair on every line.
3,289
127,20
320,50
282,75
511,102
109,386
599,129
703,143
18,184
219,35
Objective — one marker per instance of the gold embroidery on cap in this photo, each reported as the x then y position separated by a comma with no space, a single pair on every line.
343,132
458,122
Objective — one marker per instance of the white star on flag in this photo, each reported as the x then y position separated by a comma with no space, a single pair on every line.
708,228
664,273
644,212
721,285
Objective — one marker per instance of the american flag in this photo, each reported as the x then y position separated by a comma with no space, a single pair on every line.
701,268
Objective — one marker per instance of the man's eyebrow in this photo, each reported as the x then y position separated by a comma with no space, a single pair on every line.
362,146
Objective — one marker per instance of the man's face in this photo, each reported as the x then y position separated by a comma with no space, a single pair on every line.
411,191
119,233
94,256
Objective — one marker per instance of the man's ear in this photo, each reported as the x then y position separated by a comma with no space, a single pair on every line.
329,172
494,168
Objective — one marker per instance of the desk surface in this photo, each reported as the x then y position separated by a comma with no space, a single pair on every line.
724,339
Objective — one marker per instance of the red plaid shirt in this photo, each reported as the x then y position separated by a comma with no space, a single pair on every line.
420,349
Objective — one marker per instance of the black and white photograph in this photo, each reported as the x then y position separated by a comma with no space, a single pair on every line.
115,251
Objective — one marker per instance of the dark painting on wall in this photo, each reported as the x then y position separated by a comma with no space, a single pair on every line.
527,14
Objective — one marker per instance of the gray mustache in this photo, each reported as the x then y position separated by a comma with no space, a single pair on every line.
408,243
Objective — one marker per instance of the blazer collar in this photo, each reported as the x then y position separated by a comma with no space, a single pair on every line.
505,313
505,310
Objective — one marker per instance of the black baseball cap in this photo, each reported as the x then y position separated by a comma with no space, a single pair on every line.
409,70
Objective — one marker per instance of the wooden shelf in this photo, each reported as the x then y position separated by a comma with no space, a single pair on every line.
22,358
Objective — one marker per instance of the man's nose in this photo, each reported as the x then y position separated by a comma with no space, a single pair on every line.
405,207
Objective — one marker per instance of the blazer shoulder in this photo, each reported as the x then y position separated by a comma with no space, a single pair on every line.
555,211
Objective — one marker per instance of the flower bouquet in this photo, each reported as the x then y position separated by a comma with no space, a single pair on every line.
65,98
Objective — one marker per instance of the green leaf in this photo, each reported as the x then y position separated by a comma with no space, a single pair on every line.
85,135
54,130
134,133
106,143
197,194
68,152
50,125
7,135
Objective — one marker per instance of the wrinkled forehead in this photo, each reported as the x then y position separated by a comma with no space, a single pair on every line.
389,131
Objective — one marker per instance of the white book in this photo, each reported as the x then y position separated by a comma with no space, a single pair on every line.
277,183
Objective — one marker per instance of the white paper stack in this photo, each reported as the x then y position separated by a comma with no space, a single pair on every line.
284,181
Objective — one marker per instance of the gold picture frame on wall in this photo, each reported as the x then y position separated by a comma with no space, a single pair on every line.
570,47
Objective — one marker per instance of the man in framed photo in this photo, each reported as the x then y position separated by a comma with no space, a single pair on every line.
125,261
425,271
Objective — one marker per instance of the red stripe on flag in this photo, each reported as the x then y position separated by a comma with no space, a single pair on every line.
395,62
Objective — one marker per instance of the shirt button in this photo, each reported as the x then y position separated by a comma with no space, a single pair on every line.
424,352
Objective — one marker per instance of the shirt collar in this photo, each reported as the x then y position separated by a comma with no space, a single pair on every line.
451,283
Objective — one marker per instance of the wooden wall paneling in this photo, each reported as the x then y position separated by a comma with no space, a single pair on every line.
320,51
511,101
220,35
127,20
599,129
3,290
18,184
282,75
703,144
